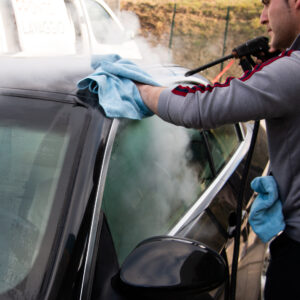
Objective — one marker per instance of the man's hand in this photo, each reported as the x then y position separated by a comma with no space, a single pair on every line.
150,95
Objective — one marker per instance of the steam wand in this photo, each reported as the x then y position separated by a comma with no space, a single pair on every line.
258,47
211,64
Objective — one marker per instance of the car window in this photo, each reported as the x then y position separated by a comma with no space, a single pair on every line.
35,155
223,141
105,28
157,171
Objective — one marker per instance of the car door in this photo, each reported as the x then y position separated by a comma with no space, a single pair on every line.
160,180
166,180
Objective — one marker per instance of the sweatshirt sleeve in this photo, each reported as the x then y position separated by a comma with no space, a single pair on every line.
270,90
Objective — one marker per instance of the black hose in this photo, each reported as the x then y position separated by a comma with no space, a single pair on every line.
246,65
239,210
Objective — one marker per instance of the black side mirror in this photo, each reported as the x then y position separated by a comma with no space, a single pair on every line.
171,268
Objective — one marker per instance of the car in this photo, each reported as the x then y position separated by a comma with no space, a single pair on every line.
63,27
99,208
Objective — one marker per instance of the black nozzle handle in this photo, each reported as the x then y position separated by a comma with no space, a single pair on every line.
192,72
252,47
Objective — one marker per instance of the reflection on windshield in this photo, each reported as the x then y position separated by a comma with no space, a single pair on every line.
30,166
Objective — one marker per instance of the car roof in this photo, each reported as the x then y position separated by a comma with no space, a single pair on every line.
55,77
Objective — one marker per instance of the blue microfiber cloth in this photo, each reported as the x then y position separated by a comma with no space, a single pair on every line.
266,218
113,82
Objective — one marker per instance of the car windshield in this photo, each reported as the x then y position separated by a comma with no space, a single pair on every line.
35,138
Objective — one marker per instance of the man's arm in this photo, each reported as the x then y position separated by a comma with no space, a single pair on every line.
150,95
269,91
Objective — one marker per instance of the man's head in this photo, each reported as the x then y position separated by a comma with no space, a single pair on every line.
282,18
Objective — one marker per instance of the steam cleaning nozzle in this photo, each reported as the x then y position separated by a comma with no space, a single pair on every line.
258,47
252,47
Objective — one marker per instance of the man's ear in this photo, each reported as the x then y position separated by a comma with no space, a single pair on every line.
297,4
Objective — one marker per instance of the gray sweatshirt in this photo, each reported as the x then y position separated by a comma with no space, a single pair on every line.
271,91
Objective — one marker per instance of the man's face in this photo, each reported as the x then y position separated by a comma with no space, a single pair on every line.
281,21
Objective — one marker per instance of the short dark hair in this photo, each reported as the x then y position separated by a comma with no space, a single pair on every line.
265,2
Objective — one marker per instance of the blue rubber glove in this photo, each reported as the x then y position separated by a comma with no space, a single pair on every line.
266,217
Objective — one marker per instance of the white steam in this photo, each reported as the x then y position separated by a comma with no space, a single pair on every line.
150,54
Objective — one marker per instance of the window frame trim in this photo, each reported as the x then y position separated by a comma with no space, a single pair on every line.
87,277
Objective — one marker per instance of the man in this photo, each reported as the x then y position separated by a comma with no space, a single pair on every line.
272,92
